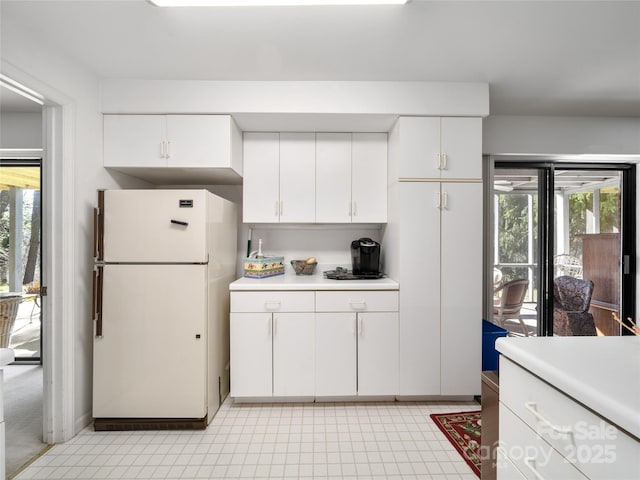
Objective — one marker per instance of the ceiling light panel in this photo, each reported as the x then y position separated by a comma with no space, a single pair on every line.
270,3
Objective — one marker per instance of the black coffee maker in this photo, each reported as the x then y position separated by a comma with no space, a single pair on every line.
365,257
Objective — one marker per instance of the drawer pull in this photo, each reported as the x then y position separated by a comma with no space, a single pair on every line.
358,304
506,458
531,406
528,461
271,305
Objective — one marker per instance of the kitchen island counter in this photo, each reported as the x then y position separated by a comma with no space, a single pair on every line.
290,281
599,372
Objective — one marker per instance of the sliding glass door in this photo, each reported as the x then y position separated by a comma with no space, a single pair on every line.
568,229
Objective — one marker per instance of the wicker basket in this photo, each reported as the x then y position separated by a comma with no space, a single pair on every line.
8,312
301,267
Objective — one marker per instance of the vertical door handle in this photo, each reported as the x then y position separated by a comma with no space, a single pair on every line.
350,209
439,159
281,207
439,200
445,200
94,293
99,227
275,325
162,149
99,293
95,233
355,208
168,149
269,326
359,325
444,161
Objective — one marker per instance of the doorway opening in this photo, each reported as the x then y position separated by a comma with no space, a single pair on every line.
20,257
563,244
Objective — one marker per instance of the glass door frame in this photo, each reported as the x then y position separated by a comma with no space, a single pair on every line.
546,234
7,161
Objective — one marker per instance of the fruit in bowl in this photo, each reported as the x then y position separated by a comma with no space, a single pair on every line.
304,267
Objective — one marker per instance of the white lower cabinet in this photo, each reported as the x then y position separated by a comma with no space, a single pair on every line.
314,344
272,351
356,348
547,434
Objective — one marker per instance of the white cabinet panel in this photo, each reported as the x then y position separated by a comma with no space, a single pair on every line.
297,177
357,301
333,177
420,293
335,354
272,301
134,140
440,147
461,296
461,142
377,354
261,182
198,141
251,358
293,354
369,178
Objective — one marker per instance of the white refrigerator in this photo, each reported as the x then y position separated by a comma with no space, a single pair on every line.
164,261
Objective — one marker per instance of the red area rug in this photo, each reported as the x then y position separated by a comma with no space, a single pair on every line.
462,429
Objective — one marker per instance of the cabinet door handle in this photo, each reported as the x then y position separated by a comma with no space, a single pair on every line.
444,161
528,461
445,200
275,325
350,209
162,155
355,209
269,327
531,406
439,158
439,200
168,149
359,325
281,207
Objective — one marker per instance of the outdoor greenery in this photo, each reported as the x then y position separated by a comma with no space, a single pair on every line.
31,231
513,225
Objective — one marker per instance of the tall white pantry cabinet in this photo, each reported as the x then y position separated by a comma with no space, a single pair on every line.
436,242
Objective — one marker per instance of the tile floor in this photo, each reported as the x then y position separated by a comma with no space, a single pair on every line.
301,440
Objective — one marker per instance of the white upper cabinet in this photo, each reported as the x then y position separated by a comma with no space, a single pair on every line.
369,178
297,177
134,140
261,182
440,147
178,148
333,177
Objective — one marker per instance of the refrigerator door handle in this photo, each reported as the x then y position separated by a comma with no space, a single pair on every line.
99,288
98,228
95,233
179,222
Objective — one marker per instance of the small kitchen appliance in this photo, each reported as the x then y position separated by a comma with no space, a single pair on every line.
365,257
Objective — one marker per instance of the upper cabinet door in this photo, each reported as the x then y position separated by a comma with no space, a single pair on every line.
333,177
419,147
261,189
369,178
134,140
461,147
297,177
198,141
440,147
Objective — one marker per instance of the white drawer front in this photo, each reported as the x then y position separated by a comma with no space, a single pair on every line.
274,301
596,447
533,457
357,301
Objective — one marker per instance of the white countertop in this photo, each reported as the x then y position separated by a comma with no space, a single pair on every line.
6,356
602,373
291,281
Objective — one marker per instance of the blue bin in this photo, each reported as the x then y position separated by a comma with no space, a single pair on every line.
490,333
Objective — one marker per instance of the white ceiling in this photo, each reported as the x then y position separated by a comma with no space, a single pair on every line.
539,57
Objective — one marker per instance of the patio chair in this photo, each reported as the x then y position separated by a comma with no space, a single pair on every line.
8,311
509,299
571,301
565,264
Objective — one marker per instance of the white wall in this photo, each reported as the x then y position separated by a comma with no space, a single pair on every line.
62,81
20,130
504,134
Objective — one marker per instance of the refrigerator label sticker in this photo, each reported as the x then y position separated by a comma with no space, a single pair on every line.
186,203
